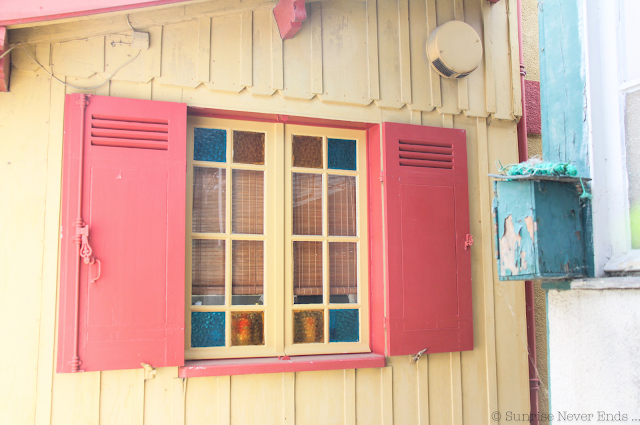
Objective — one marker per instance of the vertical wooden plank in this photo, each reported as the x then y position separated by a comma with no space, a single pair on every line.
254,398
297,65
489,75
387,395
350,397
178,399
204,49
445,12
416,117
145,90
372,49
289,398
420,66
477,105
76,399
226,53
463,90
316,47
122,397
405,390
158,397
201,400
97,53
261,53
46,343
440,403
447,120
456,388
487,265
246,58
103,90
224,400
320,397
390,58
154,54
405,51
277,68
514,49
43,55
180,54
369,396
432,23
501,61
423,390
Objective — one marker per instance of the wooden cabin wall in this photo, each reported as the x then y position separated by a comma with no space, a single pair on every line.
352,60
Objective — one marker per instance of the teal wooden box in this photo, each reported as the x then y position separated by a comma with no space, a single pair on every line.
539,230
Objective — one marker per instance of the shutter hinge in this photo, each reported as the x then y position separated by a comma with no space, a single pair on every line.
468,242
149,371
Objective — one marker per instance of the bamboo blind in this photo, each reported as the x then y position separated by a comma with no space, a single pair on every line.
207,267
307,268
307,204
343,268
247,205
209,200
342,205
247,263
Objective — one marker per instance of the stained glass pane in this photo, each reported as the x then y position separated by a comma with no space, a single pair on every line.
308,326
209,144
343,272
342,154
307,151
307,204
247,328
207,329
248,272
342,205
307,272
209,200
207,271
248,147
344,326
247,205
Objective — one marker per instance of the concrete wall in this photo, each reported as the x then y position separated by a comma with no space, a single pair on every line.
593,338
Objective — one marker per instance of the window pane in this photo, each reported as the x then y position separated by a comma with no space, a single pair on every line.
342,206
209,200
247,205
207,329
307,204
344,326
207,272
307,272
248,272
307,151
248,147
343,272
247,328
308,326
342,154
209,144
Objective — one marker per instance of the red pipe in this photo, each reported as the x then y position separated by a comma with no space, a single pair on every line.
534,382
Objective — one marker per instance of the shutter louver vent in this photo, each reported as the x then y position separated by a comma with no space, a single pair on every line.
425,154
128,132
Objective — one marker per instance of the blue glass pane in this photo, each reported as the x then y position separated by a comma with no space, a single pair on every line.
207,329
344,326
342,154
209,144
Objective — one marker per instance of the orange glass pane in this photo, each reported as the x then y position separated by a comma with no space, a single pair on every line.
247,328
248,268
308,326
209,200
342,205
248,147
307,272
247,202
343,272
307,151
207,271
307,204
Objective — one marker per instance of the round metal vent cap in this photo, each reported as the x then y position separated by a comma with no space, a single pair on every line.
454,49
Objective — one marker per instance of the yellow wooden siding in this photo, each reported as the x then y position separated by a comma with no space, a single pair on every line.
353,60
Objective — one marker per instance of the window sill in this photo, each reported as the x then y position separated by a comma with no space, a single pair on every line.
197,368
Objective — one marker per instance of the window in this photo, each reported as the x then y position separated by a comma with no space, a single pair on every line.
275,225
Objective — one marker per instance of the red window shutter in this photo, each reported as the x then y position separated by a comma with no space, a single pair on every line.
421,186
133,160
